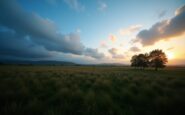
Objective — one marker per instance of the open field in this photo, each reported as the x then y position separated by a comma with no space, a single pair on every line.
72,90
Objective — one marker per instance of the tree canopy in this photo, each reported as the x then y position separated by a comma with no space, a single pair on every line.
156,59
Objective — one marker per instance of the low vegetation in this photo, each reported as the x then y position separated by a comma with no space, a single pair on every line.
57,90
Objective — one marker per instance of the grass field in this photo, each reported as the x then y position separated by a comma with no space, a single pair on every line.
59,90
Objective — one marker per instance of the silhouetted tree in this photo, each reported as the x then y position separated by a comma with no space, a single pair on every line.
134,62
157,59
143,60
140,60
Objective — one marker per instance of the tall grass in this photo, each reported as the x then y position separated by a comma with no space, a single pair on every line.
55,90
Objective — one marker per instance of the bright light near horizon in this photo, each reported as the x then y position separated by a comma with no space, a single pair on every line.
170,55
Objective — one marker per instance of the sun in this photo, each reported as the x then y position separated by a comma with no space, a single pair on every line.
170,55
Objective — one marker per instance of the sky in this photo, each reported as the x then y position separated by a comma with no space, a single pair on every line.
91,31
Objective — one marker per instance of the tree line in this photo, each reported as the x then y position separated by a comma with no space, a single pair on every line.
155,59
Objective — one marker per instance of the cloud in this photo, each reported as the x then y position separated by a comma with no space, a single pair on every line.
135,49
94,53
161,13
42,31
170,48
113,38
102,6
115,53
165,29
16,45
121,44
180,10
130,30
103,44
118,56
75,4
27,34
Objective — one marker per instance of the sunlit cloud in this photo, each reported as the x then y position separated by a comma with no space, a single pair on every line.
165,29
113,38
135,49
130,30
170,48
180,10
115,53
103,44
121,44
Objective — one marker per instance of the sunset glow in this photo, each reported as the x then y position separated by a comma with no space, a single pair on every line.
170,55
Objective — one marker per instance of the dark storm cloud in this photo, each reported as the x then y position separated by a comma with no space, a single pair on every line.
164,29
15,45
42,33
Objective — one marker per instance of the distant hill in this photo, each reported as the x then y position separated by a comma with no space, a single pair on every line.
113,64
28,62
107,64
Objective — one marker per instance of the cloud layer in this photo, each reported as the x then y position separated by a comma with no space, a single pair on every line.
165,29
27,34
15,45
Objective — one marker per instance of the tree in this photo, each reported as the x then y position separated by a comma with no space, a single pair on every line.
143,60
157,59
140,60
134,62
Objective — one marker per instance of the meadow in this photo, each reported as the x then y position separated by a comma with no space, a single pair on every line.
91,90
